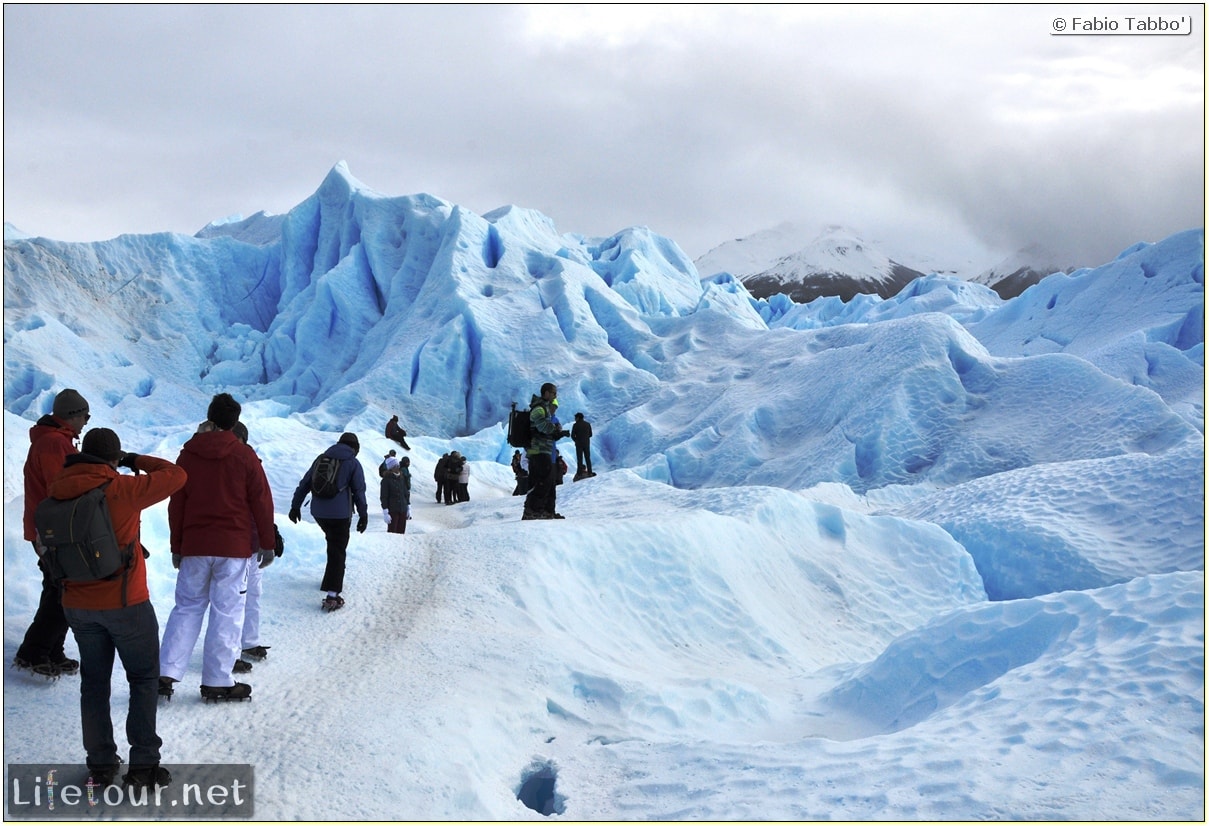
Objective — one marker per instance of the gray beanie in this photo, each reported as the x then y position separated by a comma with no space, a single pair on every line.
102,443
69,403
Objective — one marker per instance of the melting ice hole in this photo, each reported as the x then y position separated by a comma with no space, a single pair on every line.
537,790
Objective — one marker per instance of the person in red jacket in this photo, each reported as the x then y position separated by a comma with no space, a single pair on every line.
116,615
51,440
226,500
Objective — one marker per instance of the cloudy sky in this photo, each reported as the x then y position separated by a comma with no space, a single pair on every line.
973,129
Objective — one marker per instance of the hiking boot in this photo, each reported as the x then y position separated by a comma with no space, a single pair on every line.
241,667
146,777
332,603
258,652
105,775
66,665
43,668
552,515
533,515
166,689
239,691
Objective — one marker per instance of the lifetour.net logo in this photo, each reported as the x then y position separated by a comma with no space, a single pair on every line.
48,791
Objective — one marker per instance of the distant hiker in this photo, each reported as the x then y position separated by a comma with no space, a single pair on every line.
51,440
115,616
212,522
250,641
382,467
396,494
438,475
334,514
520,469
395,433
463,488
453,476
540,502
581,434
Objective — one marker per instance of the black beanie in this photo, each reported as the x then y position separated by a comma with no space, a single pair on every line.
69,403
223,411
350,439
102,443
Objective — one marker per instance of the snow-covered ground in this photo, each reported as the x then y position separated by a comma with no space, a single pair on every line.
939,557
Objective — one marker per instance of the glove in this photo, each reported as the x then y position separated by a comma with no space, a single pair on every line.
128,460
362,522
386,517
295,515
278,542
176,561
267,555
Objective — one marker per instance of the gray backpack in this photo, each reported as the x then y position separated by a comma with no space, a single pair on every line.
79,539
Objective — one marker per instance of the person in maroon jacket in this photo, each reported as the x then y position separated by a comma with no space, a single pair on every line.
226,500
51,441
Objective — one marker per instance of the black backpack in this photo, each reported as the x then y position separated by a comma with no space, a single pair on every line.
79,539
519,434
325,477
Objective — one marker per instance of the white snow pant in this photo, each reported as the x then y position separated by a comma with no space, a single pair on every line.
251,612
217,583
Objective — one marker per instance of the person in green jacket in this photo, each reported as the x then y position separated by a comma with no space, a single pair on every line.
545,430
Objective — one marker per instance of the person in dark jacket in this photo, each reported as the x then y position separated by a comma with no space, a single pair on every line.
211,521
335,515
51,440
439,473
581,434
115,616
540,502
396,433
395,495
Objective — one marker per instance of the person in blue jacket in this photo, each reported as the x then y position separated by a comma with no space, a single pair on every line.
334,515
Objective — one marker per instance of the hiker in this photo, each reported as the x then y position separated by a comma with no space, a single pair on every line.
115,616
438,475
453,473
581,434
540,502
251,648
520,469
396,495
382,467
51,441
334,514
211,522
396,433
463,486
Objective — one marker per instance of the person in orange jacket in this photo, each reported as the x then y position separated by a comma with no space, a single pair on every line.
115,615
51,440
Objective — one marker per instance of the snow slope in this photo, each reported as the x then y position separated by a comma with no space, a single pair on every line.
933,557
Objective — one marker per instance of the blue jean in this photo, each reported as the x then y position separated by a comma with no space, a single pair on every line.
133,634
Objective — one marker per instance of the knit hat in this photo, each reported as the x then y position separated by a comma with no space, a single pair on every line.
102,443
223,411
392,463
350,439
69,403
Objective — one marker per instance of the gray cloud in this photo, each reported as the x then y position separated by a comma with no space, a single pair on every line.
970,126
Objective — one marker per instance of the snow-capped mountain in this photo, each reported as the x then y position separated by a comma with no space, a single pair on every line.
838,262
1021,270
